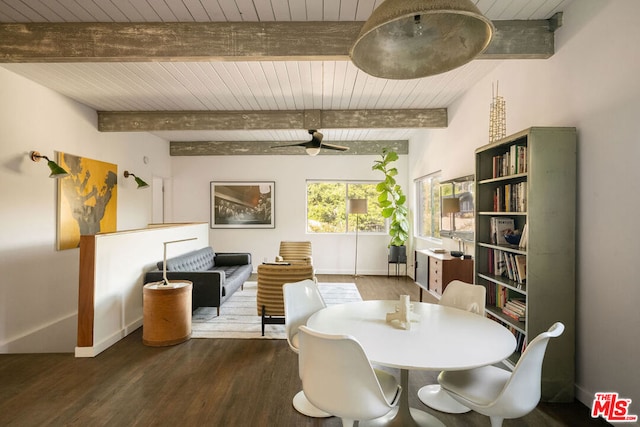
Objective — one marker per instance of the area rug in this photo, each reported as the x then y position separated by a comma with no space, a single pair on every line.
238,315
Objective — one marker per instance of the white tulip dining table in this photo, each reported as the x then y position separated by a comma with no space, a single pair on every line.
442,338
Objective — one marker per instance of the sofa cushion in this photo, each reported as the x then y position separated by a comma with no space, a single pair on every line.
201,259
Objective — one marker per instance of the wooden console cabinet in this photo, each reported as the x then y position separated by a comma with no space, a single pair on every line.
435,271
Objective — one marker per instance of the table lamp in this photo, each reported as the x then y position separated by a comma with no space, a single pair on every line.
451,206
165,281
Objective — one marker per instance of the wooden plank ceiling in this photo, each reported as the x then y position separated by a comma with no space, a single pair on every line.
244,71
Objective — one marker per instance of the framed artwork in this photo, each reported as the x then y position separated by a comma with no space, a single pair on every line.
87,199
243,204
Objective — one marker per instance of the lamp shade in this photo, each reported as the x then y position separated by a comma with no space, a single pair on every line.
450,205
139,181
357,206
57,171
407,39
312,151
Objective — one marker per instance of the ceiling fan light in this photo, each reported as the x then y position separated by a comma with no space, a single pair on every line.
312,151
408,39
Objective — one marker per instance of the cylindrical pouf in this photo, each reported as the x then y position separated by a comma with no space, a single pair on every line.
166,313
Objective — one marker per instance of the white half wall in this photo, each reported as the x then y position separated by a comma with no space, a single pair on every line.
590,83
121,261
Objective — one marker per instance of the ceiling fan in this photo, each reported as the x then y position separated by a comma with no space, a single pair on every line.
313,147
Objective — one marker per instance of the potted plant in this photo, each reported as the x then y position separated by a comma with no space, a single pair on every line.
392,200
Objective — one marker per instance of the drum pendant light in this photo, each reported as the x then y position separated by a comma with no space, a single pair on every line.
408,39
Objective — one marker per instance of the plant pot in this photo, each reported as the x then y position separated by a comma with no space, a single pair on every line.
398,254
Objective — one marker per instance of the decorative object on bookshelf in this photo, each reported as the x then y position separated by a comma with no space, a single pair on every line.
497,116
513,237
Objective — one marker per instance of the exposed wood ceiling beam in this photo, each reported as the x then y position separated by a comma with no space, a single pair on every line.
149,121
257,148
245,41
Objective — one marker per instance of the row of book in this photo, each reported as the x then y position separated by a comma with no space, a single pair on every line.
497,295
507,264
521,339
510,198
516,309
512,162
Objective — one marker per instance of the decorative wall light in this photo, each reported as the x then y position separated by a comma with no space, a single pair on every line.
408,39
56,170
140,182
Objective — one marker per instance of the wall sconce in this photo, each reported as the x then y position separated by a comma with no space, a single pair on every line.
140,182
56,170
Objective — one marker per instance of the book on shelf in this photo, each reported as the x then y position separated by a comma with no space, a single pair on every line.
510,198
500,226
515,310
513,161
515,316
524,237
507,264
521,267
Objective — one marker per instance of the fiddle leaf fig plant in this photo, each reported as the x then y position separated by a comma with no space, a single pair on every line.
391,198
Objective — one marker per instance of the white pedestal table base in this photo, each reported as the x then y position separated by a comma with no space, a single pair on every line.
435,397
403,415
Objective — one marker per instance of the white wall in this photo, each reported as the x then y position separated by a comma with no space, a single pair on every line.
39,285
332,254
591,83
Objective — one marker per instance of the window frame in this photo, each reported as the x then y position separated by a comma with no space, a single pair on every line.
347,231
434,181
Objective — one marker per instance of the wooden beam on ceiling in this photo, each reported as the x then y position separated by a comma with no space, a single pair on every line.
241,41
258,148
149,121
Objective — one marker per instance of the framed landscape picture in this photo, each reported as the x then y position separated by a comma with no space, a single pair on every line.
242,204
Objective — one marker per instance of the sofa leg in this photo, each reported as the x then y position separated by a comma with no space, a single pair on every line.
218,310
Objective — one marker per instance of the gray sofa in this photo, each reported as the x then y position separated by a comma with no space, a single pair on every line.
215,276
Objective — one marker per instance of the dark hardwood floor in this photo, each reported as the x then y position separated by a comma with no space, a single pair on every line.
212,382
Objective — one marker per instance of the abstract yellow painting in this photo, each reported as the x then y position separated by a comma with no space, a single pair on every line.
87,199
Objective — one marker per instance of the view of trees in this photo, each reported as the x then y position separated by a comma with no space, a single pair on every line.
428,201
327,207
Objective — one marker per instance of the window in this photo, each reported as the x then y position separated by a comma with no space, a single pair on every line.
327,207
461,223
428,206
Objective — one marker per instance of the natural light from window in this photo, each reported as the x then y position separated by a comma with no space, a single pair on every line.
327,207
428,206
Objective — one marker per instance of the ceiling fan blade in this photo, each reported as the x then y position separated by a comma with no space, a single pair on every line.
299,144
334,147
